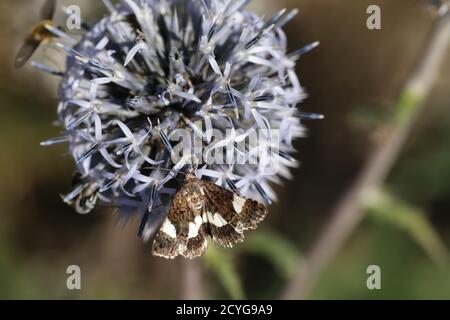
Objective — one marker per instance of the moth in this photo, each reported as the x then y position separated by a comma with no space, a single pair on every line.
202,209
39,34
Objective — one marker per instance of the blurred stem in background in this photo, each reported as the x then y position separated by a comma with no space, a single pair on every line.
192,280
350,210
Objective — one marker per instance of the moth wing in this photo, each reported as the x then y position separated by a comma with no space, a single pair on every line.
197,242
168,239
165,245
222,232
182,232
229,214
221,214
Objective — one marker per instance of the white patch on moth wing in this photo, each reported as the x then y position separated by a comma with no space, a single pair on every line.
193,230
198,221
217,220
238,203
169,229
194,227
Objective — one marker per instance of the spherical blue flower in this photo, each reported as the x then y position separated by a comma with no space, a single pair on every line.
151,70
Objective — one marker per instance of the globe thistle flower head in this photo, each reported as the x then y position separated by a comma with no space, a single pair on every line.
153,70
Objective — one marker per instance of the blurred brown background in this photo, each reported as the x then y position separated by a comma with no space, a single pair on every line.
354,78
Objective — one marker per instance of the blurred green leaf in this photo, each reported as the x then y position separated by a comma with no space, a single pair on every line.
407,106
368,116
426,164
221,263
413,221
277,250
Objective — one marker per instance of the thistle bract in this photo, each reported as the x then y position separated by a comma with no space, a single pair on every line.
152,67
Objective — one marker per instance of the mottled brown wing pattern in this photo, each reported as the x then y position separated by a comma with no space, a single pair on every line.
241,213
201,208
170,239
183,232
197,245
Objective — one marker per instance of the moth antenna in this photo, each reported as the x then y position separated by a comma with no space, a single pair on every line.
148,211
143,224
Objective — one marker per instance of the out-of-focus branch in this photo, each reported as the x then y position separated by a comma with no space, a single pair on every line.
192,280
350,210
